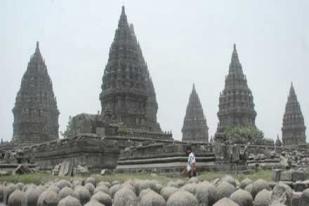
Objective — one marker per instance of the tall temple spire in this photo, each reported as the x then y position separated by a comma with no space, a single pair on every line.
293,126
127,89
236,107
35,111
195,126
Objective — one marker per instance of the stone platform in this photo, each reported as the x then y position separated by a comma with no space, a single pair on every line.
86,150
163,158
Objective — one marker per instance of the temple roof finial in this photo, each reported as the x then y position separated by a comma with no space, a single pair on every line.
292,90
123,18
235,55
235,66
123,10
37,48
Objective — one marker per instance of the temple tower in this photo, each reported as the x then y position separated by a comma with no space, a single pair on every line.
293,127
128,93
35,111
194,126
236,107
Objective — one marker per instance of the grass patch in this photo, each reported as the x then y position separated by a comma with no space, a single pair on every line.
40,178
260,174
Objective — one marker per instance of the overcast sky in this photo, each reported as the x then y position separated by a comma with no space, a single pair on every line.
182,41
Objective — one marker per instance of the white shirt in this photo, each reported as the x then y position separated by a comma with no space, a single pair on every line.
191,160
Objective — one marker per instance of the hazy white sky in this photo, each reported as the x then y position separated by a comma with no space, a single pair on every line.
182,41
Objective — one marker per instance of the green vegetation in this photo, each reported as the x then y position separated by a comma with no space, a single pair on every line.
243,135
69,129
38,178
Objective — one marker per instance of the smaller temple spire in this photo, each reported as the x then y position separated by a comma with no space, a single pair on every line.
293,128
195,126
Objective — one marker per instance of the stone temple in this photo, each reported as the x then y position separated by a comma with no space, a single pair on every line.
35,111
194,126
293,127
236,107
128,94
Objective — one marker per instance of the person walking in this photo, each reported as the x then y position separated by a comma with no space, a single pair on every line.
190,169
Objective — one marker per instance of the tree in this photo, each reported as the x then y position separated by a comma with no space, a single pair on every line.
69,129
243,135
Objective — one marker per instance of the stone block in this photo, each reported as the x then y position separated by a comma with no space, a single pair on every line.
276,175
299,186
296,198
298,176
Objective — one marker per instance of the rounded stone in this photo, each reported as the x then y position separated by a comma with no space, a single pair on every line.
48,198
81,193
263,198
245,182
103,198
166,192
69,201
229,179
182,198
63,183
125,197
206,193
17,198
90,187
258,186
32,196
242,197
150,198
64,192
225,189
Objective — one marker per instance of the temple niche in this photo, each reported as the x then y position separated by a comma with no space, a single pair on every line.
128,94
236,107
194,126
35,111
293,126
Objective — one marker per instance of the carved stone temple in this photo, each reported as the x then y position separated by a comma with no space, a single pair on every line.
194,126
236,107
128,95
293,127
35,111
